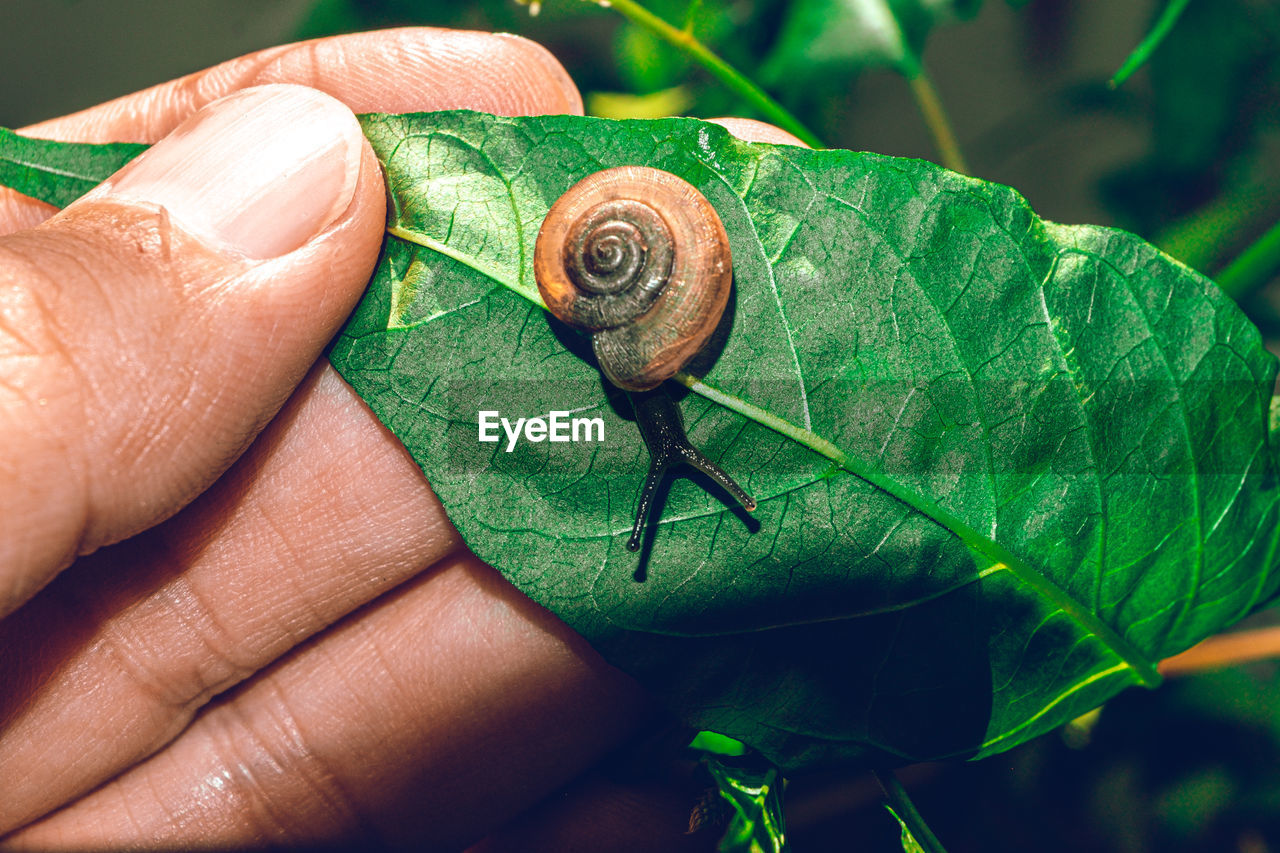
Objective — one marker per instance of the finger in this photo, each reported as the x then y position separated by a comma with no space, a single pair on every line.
324,513
601,812
397,70
151,329
757,131
446,708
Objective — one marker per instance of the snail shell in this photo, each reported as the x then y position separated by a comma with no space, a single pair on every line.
639,259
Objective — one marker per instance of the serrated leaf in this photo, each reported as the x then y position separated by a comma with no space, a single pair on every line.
1023,462
1027,460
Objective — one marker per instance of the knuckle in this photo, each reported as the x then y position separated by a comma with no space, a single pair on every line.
274,777
174,650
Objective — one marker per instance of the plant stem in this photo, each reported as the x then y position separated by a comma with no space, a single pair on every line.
1254,266
1169,17
1224,650
907,812
935,118
689,44
691,13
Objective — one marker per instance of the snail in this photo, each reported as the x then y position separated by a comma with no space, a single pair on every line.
638,259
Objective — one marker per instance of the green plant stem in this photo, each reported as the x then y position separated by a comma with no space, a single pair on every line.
907,813
691,13
1254,267
935,118
1141,53
689,44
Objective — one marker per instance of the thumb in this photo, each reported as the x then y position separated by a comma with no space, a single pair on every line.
151,329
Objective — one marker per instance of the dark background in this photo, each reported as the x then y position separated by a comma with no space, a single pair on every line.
1187,154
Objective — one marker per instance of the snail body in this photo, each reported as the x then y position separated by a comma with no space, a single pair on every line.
638,259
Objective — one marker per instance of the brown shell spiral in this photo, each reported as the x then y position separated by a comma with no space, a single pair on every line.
639,259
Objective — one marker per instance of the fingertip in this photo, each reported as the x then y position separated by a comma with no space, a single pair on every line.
545,73
409,69
750,130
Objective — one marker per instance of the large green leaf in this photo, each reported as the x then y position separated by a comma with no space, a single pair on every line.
1032,460
1019,462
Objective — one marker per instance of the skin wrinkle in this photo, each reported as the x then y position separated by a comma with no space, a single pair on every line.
352,454
397,70
297,673
290,751
56,398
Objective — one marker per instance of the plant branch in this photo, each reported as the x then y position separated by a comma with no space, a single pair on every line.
689,44
691,13
1141,53
907,812
1254,266
935,118
1224,650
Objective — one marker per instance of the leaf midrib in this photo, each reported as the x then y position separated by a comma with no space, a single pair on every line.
1142,668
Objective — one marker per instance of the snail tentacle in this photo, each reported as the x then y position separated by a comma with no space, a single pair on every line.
663,431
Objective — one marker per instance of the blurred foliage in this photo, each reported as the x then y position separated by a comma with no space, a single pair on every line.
1214,89
805,50
1191,768
1207,102
830,39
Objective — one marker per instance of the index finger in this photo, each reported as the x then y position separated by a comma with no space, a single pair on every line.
397,70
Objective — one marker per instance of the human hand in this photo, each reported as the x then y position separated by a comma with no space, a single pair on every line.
371,676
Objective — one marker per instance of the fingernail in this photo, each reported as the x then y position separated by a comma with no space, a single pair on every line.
259,172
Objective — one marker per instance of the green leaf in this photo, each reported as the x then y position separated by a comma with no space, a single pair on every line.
717,744
824,37
58,172
916,836
1022,461
1003,465
909,843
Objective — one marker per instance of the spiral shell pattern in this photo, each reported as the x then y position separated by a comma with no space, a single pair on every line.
639,259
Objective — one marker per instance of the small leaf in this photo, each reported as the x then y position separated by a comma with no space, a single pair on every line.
909,843
822,37
717,744
59,172
659,104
